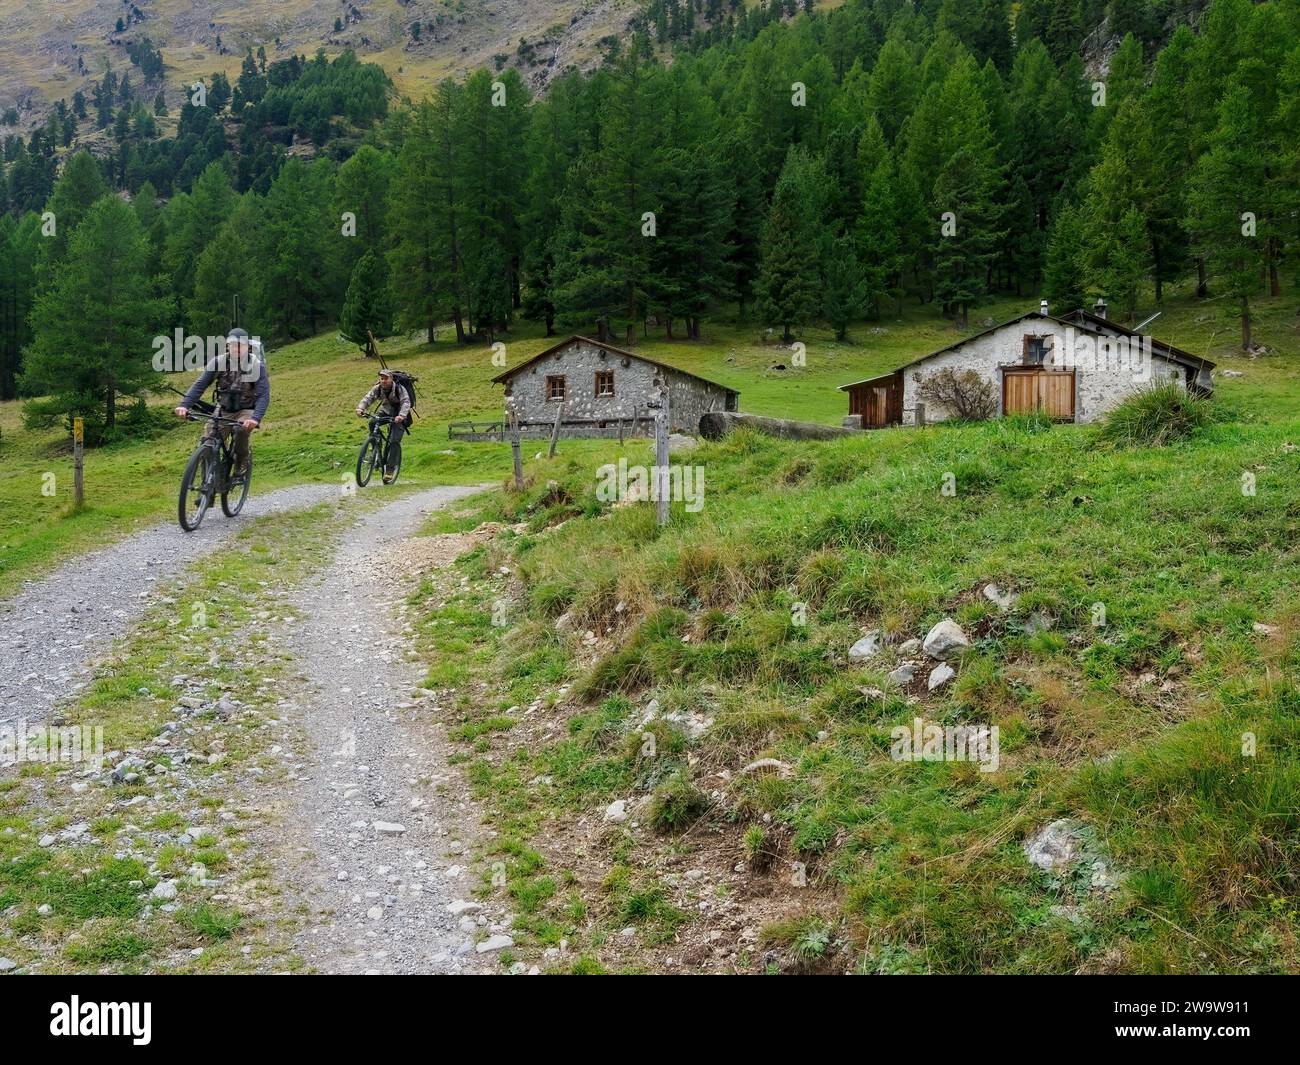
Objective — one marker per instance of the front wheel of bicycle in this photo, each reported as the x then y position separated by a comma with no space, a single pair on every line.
232,499
196,488
367,459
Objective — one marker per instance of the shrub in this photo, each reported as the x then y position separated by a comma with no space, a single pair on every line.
1156,416
677,804
967,395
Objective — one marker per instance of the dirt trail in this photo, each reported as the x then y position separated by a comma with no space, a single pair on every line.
380,828
57,628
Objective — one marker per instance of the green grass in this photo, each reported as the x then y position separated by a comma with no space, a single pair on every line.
311,434
1134,727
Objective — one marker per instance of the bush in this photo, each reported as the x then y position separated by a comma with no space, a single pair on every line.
965,395
1156,416
677,804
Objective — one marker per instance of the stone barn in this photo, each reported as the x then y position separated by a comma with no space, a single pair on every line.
1073,368
597,389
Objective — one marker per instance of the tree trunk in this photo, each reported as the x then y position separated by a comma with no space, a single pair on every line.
460,326
1202,290
550,320
110,399
1245,323
430,330
668,323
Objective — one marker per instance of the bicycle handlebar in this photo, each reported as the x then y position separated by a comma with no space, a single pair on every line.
194,416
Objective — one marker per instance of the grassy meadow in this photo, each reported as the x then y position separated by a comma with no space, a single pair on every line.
311,434
1135,727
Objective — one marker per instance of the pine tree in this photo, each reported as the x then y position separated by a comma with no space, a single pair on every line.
1063,274
93,328
1225,199
794,239
844,292
880,248
368,306
229,268
79,187
18,254
608,270
423,252
193,219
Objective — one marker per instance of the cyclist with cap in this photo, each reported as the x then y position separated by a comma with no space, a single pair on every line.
243,392
394,401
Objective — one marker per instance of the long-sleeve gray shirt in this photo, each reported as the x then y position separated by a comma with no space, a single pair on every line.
261,389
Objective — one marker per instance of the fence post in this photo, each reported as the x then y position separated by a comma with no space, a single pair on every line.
78,445
514,448
555,431
661,457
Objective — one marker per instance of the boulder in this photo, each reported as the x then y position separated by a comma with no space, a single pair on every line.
946,640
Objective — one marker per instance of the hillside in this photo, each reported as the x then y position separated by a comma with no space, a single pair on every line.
50,51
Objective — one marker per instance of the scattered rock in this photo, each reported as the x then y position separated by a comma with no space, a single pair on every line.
866,648
1260,629
164,890
389,828
941,675
1054,846
910,647
903,675
7,965
498,942
1003,600
616,811
1038,622
946,640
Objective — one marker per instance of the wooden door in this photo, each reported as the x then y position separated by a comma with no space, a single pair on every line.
1019,391
1048,391
875,412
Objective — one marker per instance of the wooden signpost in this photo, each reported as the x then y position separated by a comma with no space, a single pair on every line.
661,457
555,431
78,444
514,448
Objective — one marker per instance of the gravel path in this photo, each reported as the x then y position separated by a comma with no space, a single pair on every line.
380,825
57,628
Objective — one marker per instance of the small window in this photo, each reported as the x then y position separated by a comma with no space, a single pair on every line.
555,389
604,382
1036,349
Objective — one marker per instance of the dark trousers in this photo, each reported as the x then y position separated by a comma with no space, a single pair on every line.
395,434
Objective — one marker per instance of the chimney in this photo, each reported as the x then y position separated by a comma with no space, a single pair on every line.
1042,307
1099,308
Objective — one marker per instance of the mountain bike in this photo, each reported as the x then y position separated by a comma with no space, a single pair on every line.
210,473
374,452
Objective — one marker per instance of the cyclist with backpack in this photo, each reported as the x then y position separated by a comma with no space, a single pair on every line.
395,400
243,392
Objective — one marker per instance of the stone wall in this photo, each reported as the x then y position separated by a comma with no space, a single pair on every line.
634,386
1100,384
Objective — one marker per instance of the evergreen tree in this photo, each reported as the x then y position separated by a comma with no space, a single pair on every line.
844,292
421,257
1225,198
1063,274
368,306
794,238
92,328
